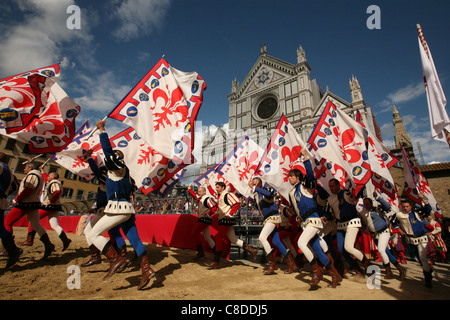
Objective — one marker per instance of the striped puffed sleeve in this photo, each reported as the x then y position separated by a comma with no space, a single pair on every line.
209,202
55,187
31,181
233,201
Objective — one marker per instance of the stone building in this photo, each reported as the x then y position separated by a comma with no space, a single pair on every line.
274,87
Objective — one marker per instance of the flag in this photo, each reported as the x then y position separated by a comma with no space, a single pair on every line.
163,108
239,166
325,170
53,128
166,186
341,140
437,101
393,202
212,176
376,126
149,169
72,157
21,97
416,183
281,156
380,159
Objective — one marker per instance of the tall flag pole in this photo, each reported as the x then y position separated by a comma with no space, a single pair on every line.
439,120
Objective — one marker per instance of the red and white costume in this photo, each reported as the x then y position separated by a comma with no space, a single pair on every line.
206,208
27,202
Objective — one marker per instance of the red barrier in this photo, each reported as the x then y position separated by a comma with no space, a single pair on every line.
170,230
68,223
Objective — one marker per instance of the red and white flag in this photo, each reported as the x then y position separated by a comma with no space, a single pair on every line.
72,157
167,186
162,108
239,166
341,140
437,101
210,177
380,159
149,169
281,156
325,170
53,127
393,202
21,97
416,183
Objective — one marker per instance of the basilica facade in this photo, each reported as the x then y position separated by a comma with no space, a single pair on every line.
274,87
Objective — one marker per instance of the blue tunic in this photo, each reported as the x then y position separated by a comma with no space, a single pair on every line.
266,207
116,189
305,204
102,199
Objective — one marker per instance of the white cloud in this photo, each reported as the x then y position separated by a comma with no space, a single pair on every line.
432,150
405,94
139,17
101,93
388,130
420,134
39,39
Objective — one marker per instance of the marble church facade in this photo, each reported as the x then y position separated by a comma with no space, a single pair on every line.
271,88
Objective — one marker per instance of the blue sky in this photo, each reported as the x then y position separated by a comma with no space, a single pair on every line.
120,41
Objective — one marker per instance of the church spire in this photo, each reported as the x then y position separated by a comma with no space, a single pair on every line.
301,55
395,112
356,93
401,137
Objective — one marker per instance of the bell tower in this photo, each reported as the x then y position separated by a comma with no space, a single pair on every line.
356,93
401,137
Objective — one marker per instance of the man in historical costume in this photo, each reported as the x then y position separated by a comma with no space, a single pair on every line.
119,209
289,230
51,206
27,202
206,208
415,232
101,201
6,186
435,234
265,202
348,226
379,228
227,206
303,200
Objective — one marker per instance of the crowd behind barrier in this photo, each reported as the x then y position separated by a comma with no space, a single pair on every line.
248,213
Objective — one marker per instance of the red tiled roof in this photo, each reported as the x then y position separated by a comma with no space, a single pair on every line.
435,167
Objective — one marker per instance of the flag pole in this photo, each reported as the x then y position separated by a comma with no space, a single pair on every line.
31,159
422,39
93,131
47,161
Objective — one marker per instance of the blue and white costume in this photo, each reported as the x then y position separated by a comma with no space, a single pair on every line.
303,202
118,192
266,204
415,232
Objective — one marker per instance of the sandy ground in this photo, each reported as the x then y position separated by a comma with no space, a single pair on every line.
178,277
